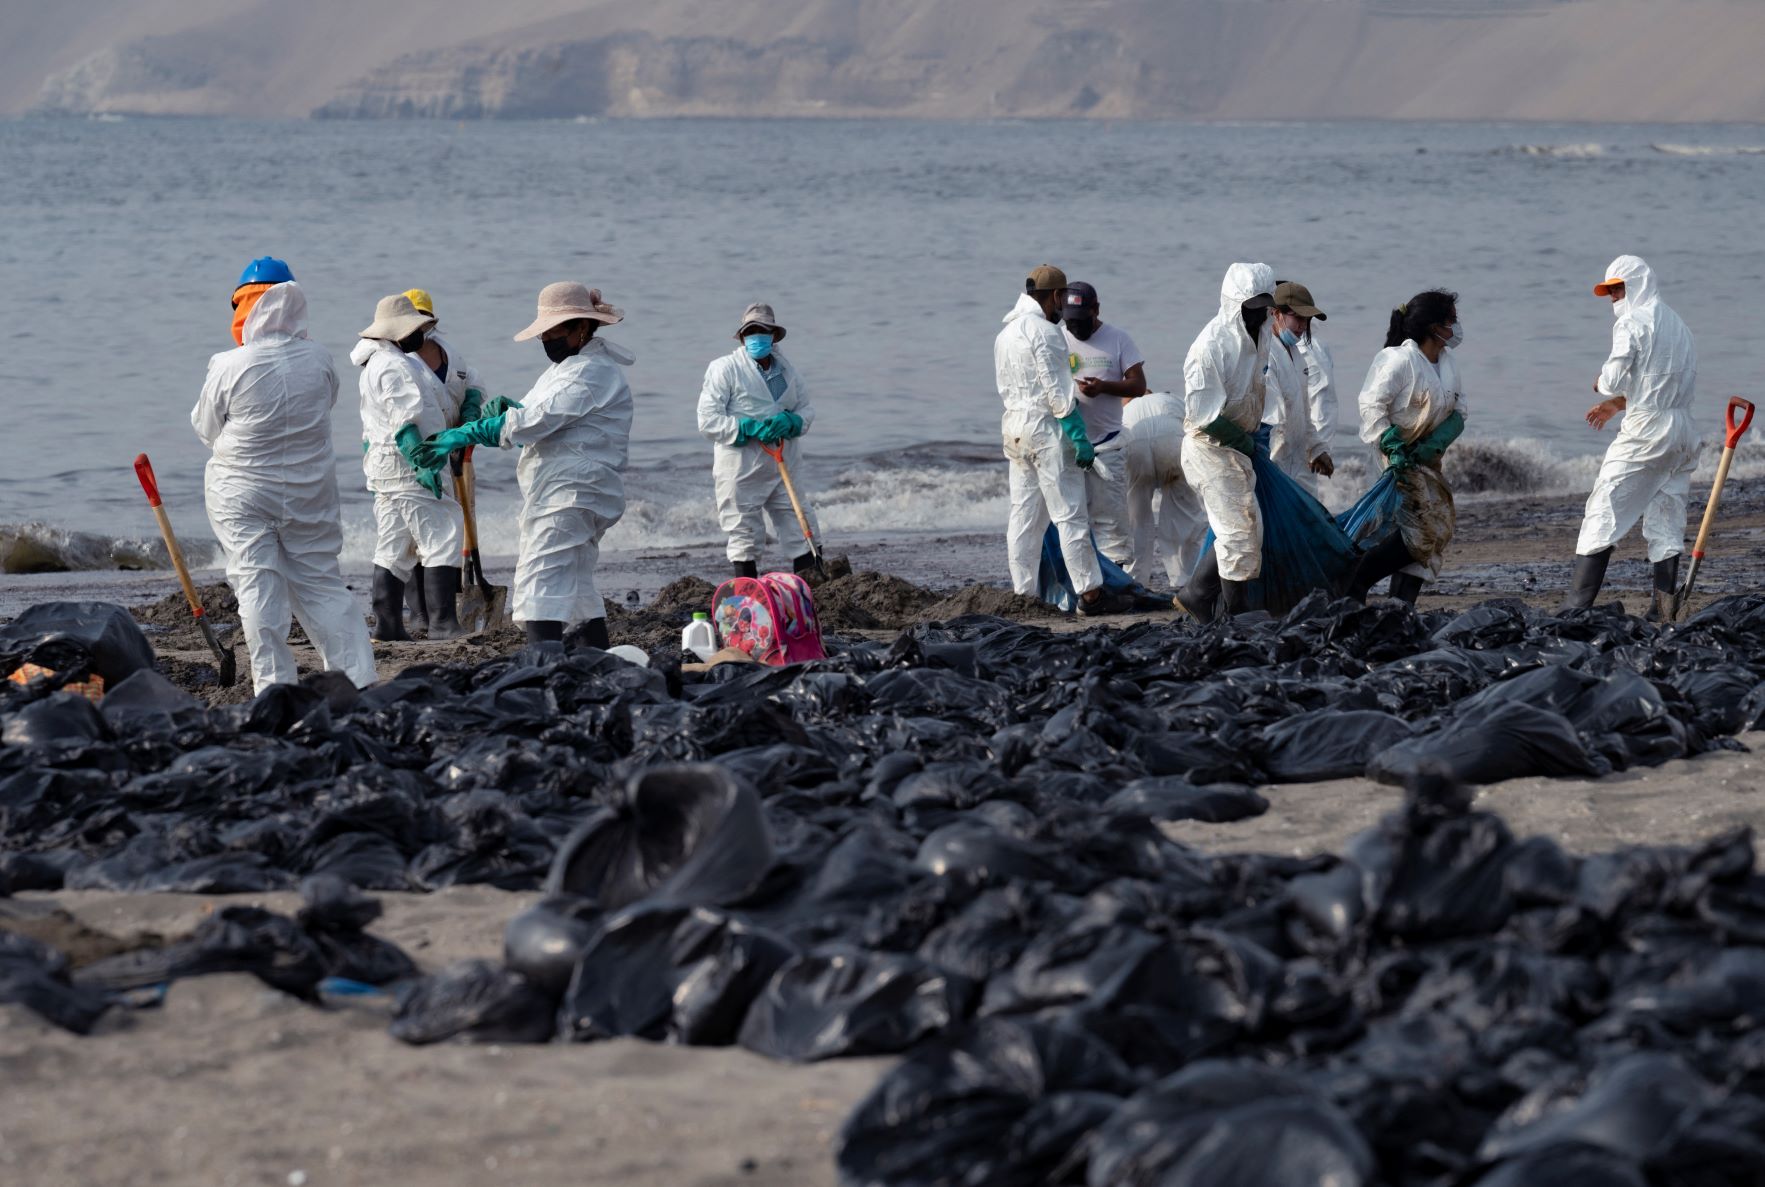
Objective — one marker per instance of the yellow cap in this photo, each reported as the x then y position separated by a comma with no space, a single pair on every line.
421,299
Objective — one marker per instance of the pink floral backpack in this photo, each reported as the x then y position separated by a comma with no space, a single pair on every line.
771,617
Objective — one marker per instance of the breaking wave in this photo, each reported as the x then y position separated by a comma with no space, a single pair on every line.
1573,152
1710,150
962,490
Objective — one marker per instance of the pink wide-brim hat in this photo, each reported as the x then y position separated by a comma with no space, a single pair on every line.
567,301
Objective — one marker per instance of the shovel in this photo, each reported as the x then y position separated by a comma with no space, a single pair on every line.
480,601
224,658
1735,429
790,488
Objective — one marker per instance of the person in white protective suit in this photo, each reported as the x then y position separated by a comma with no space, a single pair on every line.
1412,407
1224,402
463,400
754,398
1301,412
1162,507
1649,379
271,486
1046,444
1109,372
416,519
574,432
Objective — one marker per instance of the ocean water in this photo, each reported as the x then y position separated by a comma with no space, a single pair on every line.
889,249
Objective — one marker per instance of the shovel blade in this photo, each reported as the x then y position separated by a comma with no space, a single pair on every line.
225,661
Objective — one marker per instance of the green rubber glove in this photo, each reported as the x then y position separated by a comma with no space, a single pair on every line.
1396,451
1430,448
1226,432
793,425
748,429
486,431
472,407
499,405
411,444
1073,425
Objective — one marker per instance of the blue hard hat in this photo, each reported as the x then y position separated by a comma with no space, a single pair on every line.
265,270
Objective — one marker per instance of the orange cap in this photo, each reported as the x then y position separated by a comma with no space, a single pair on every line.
1604,288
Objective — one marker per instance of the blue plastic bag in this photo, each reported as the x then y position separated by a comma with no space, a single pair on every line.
1055,587
1374,515
1303,547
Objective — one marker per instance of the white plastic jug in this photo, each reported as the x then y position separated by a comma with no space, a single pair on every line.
699,637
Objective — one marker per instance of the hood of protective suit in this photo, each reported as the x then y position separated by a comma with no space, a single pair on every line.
599,345
281,311
1639,283
1026,306
1242,282
367,348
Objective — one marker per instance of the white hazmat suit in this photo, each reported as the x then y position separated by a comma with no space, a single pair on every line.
1647,471
1223,376
745,479
574,432
1406,390
1153,427
459,378
1035,382
1303,419
412,526
271,492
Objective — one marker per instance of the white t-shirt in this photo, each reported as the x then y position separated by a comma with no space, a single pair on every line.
1106,354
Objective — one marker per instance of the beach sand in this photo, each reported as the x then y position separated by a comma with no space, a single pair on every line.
231,1083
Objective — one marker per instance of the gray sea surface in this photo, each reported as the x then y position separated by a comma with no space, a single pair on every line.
890,250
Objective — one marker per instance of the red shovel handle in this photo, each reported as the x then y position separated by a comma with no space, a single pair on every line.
150,484
1736,404
775,452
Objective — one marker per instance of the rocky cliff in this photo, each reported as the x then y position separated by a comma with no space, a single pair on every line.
1445,59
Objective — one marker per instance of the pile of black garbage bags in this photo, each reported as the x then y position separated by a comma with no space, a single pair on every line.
948,847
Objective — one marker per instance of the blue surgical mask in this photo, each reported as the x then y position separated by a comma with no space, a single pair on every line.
758,346
1289,338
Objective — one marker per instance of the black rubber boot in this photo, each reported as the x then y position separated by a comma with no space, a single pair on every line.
1406,587
388,600
1666,585
1200,595
1235,596
416,601
594,633
1375,566
745,568
1585,580
443,591
544,632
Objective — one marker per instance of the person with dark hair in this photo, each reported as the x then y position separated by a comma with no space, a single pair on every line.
1412,407
1109,371
1650,379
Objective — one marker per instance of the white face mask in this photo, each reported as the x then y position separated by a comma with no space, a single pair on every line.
1456,338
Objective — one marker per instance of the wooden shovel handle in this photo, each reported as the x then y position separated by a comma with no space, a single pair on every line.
150,484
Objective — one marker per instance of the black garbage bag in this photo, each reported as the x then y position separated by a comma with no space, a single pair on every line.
147,702
1327,744
65,636
1219,1124
474,1001
1719,695
35,976
1170,798
1002,1104
493,841
681,834
1635,1108
64,718
271,947
1563,1166
545,942
845,1001
1501,740
670,973
334,915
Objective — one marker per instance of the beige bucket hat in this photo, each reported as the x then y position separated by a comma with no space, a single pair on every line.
760,314
568,301
395,318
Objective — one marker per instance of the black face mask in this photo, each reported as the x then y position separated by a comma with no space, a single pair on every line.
1082,327
558,349
1253,319
411,344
